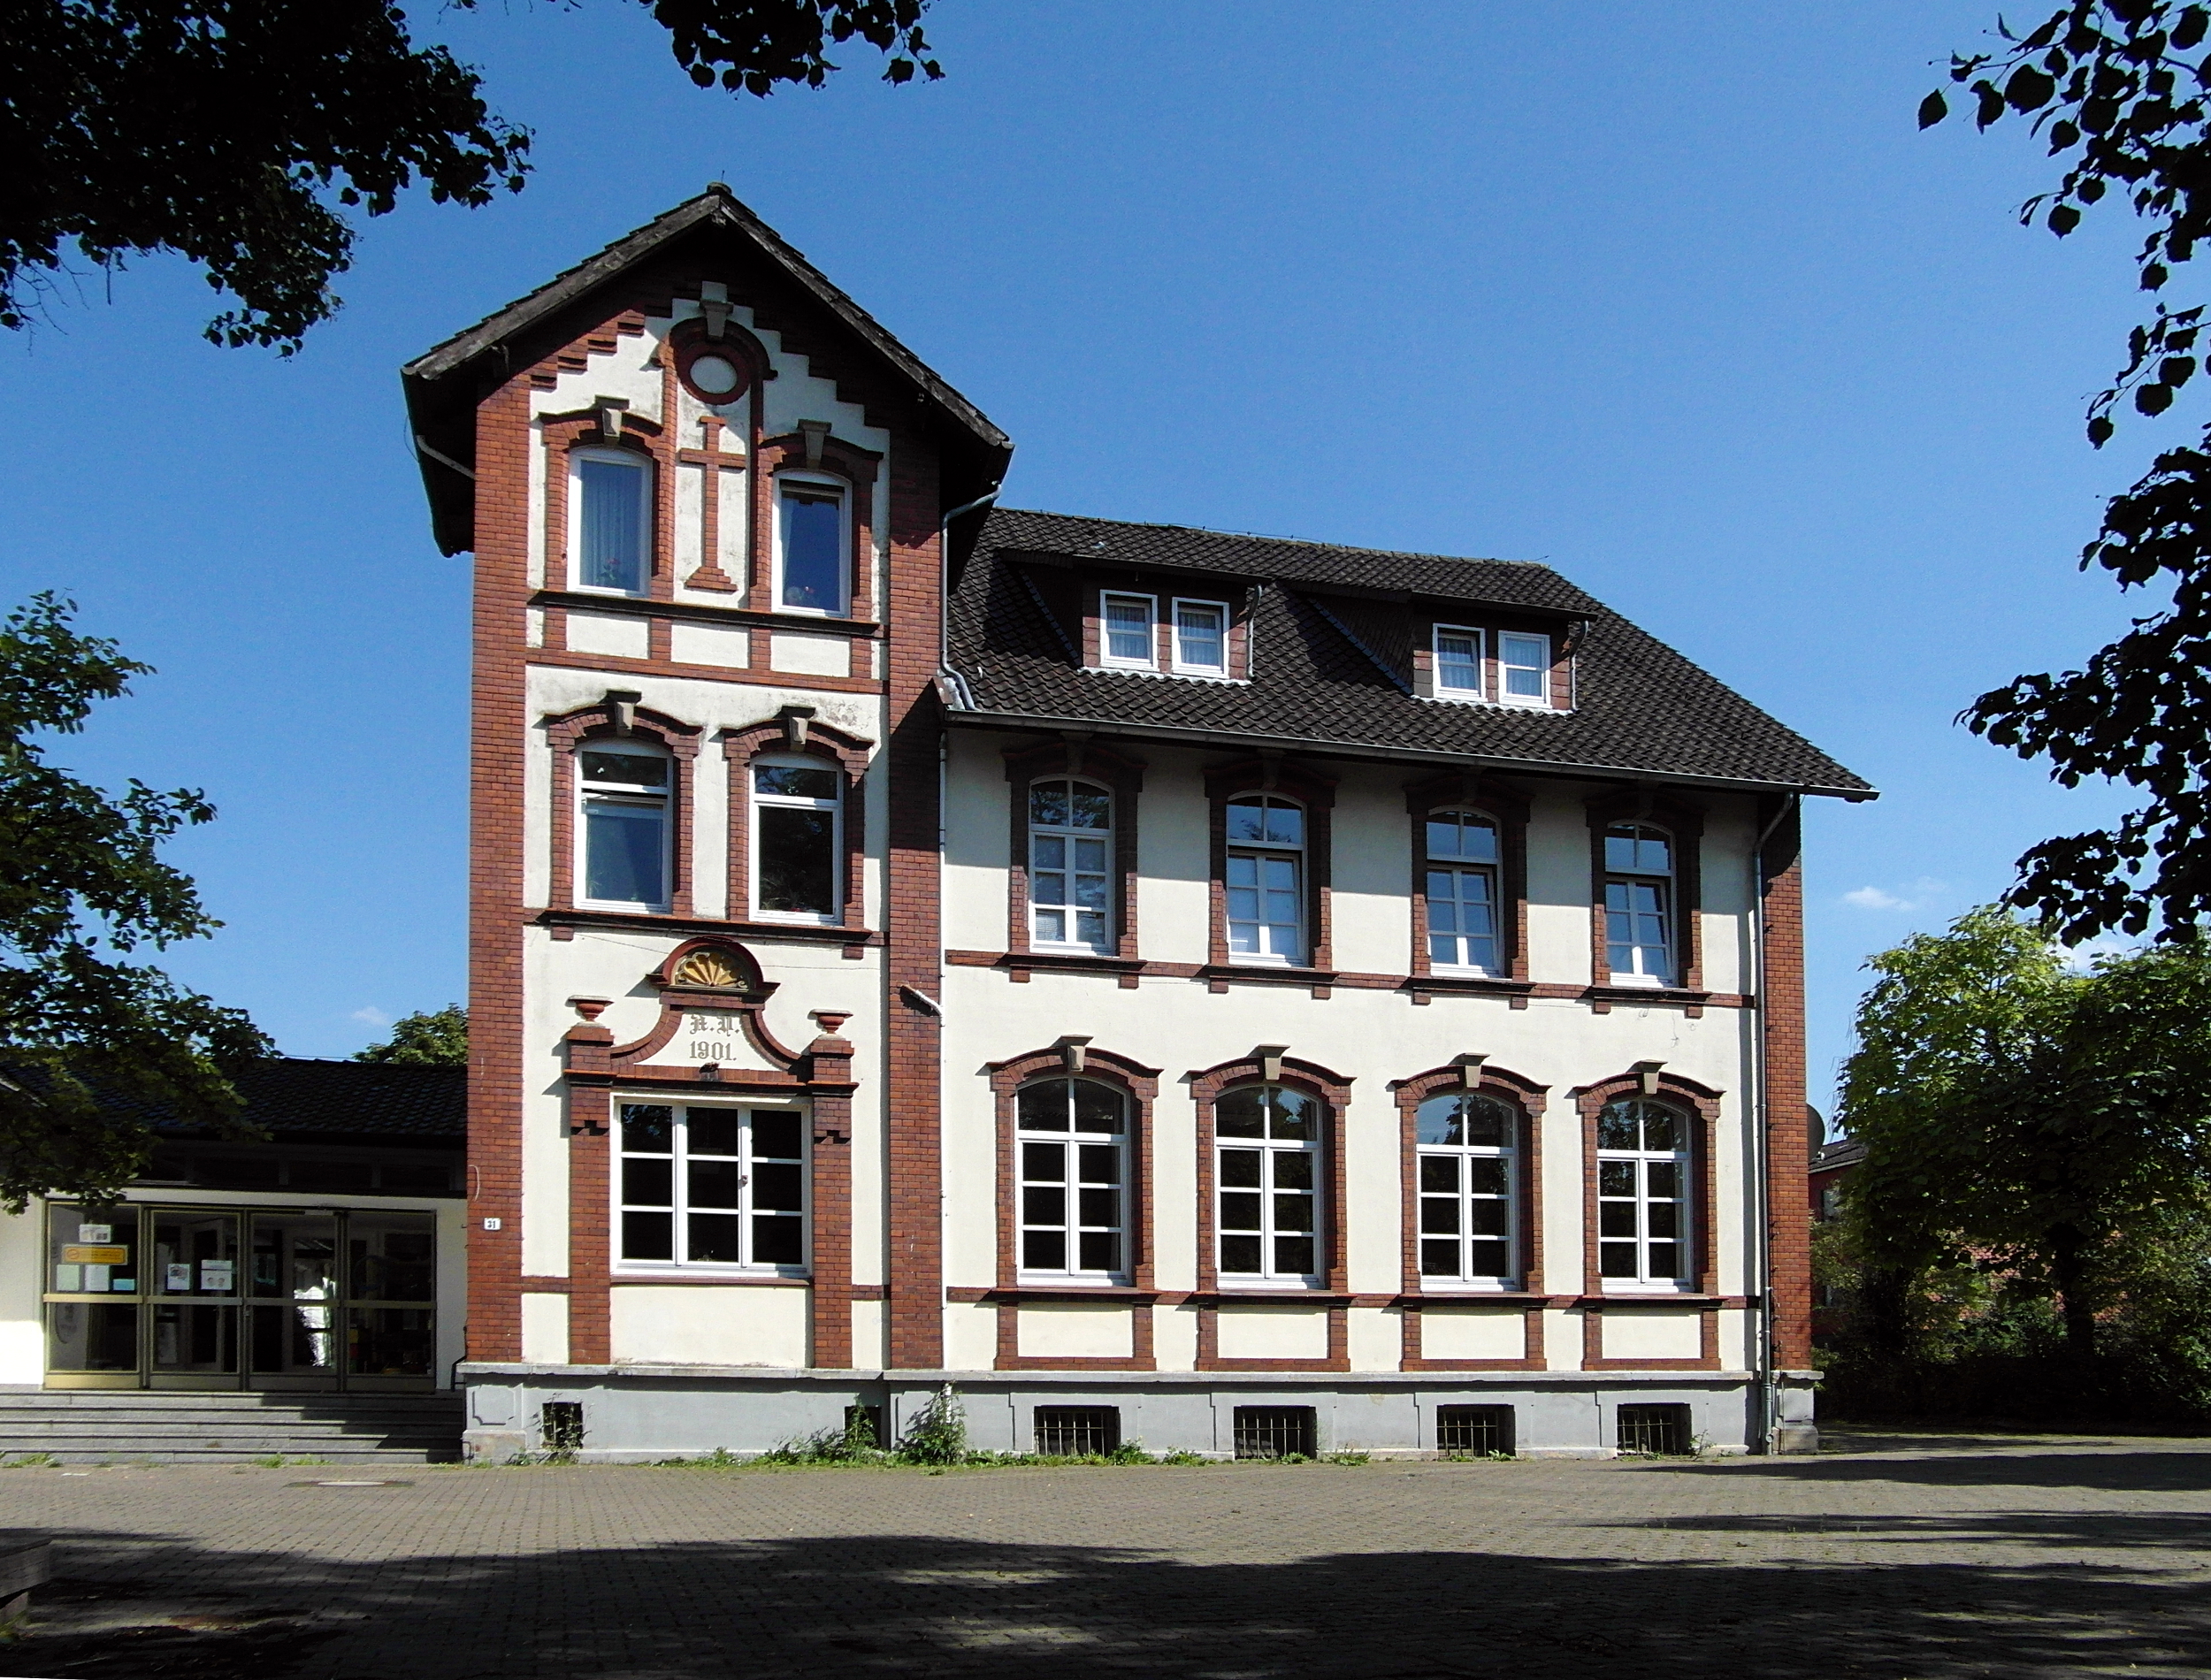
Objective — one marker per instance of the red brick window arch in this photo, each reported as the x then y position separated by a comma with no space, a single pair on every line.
1270,1175
622,810
1472,1167
797,827
1649,1198
1075,1168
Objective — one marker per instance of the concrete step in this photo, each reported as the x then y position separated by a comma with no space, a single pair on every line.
97,1426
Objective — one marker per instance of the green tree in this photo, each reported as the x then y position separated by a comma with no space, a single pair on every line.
2024,1117
439,1038
237,133
2117,89
88,1043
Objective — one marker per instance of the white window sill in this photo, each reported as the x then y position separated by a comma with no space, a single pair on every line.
607,593
1247,959
1652,981
791,920
1450,697
1629,1287
1471,1287
635,1270
1068,1281
1454,971
1280,1286
1062,948
613,904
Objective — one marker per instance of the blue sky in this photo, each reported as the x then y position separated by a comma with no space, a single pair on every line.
1672,297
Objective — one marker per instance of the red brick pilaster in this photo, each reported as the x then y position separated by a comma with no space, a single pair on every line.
913,968
830,1077
1781,1017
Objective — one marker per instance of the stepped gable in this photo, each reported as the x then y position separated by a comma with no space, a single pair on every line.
1330,657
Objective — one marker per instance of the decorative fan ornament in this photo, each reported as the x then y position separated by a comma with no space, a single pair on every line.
709,971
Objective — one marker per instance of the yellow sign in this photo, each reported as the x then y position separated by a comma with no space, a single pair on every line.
78,1255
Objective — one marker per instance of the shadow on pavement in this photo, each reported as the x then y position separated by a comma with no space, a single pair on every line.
1991,1463
928,1606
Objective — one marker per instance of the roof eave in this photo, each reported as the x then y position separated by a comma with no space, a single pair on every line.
985,718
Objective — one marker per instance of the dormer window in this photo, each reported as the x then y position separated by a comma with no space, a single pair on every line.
611,517
1201,639
1523,670
1127,631
1458,662
810,563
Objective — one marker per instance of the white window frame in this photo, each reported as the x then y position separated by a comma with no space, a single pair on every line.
1463,1199
588,792
679,1209
834,806
1480,690
1070,1185
1106,941
845,492
1494,872
1182,666
1637,974
1682,1279
1107,657
643,469
1260,851
1505,696
1267,1277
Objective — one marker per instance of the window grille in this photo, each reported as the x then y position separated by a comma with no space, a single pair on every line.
1663,1430
561,1425
1473,1429
1077,1431
1276,1431
867,1419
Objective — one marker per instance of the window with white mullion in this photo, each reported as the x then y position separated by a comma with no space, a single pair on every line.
1523,668
708,1186
1643,1194
1070,863
1461,891
1264,884
798,817
1126,631
610,512
1267,1184
1639,904
623,812
1468,1189
1071,1137
1458,662
1201,637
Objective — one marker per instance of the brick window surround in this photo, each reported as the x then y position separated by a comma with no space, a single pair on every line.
1085,762
640,436
788,735
1509,810
1272,774
1526,1099
1333,1090
1686,824
1163,596
1701,1103
814,451
602,724
1141,1086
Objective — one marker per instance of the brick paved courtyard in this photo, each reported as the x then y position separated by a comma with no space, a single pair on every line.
1897,1557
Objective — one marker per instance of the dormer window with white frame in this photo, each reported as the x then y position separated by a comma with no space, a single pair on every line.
610,521
813,546
1126,636
1458,663
1523,668
1201,639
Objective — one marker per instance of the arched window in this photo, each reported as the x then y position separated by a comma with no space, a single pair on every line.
1639,904
1461,891
624,789
1070,863
1467,1146
1642,1193
812,533
1266,883
1266,1181
610,519
798,817
1072,1138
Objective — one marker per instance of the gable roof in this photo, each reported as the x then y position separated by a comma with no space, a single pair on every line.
444,385
1322,679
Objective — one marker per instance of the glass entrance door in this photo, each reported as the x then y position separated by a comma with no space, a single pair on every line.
171,1297
193,1278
